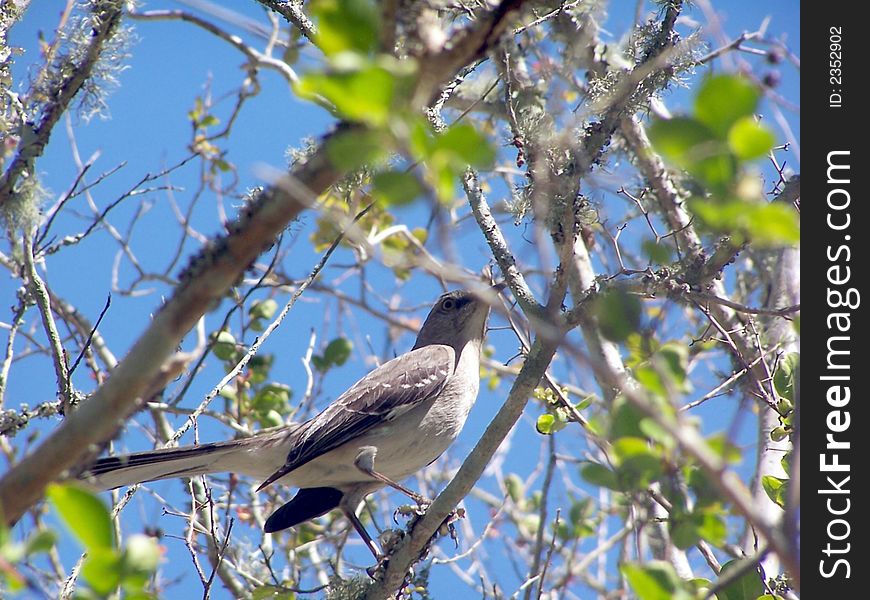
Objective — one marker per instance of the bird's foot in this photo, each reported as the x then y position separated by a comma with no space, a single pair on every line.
448,527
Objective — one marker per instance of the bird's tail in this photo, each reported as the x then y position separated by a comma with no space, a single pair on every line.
189,461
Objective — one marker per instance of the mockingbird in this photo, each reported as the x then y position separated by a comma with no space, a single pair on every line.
390,424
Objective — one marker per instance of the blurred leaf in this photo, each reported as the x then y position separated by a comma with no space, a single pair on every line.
749,139
598,474
655,580
784,380
396,188
264,309
618,314
346,25
338,351
515,487
637,464
102,570
466,146
723,100
224,345
746,587
657,253
270,592
363,94
42,540
351,150
141,554
766,224
675,356
683,140
722,446
625,419
687,529
84,514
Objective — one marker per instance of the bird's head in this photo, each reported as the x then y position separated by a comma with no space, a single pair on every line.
458,317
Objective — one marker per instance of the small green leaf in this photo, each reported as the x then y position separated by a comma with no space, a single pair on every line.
467,145
84,514
264,309
363,94
775,489
658,253
618,314
784,380
346,25
655,580
354,149
514,487
766,224
625,419
683,140
102,570
749,139
723,100
338,351
598,474
224,345
544,424
396,188
41,541
746,587
141,553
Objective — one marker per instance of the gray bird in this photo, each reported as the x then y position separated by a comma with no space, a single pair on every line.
390,424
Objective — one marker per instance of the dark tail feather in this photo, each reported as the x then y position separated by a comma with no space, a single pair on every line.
116,471
307,504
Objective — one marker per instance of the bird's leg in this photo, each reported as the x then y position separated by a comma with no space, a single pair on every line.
365,462
369,542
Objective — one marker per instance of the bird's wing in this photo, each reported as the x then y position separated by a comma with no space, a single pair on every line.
390,390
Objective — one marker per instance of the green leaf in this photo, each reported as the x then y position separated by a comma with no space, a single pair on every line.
723,100
683,140
84,514
354,149
618,314
598,474
273,396
625,419
658,253
749,139
637,464
675,357
102,570
41,541
338,351
141,554
545,424
396,188
767,224
467,146
224,345
687,529
264,309
746,587
655,580
270,592
362,94
346,25
784,380
775,488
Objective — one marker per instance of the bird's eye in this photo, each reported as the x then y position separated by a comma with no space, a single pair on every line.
448,304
